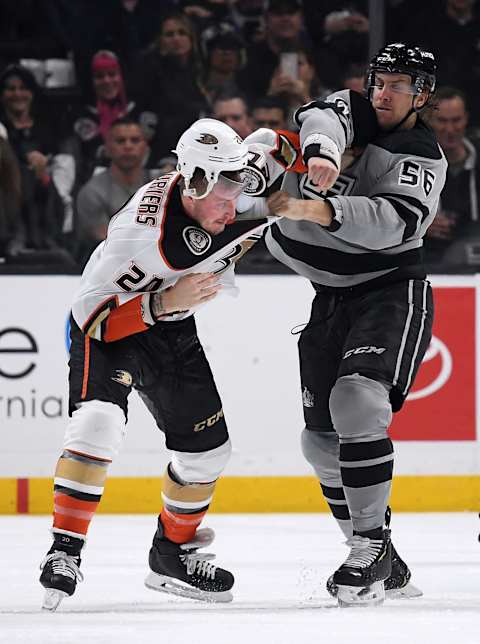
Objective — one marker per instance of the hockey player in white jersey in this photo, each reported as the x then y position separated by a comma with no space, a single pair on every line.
369,192
169,249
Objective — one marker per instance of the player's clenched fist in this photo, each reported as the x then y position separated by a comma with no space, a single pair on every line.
281,204
322,172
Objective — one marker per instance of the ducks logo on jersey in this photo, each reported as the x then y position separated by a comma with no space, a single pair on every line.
197,240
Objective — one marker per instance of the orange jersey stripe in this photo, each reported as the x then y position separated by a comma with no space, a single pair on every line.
86,367
165,213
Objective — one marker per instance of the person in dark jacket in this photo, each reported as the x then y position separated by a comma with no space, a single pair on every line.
168,83
11,227
453,236
46,168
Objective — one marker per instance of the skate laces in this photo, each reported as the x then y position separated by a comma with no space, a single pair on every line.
363,552
63,564
199,563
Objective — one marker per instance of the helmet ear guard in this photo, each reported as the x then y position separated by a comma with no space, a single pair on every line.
213,147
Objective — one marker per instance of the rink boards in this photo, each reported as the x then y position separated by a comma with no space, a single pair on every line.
253,355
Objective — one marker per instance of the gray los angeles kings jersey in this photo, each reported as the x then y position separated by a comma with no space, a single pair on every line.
384,200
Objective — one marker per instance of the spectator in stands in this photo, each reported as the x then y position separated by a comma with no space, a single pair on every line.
12,238
300,87
458,216
247,17
271,113
132,26
283,29
27,31
225,56
451,32
205,14
353,77
168,82
110,188
93,121
232,109
339,30
47,171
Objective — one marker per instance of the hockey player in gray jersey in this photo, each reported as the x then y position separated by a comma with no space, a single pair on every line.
371,320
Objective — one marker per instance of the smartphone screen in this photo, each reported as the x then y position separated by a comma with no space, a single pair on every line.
289,64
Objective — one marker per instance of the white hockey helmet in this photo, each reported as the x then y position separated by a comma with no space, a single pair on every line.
211,146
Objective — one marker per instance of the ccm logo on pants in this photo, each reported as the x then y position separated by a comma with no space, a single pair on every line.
208,422
352,352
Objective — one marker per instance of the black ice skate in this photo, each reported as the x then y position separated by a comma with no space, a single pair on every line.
360,579
61,570
178,569
397,586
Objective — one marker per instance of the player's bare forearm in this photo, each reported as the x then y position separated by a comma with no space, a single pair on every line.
318,212
190,290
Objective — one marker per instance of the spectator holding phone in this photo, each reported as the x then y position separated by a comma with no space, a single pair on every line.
295,81
283,29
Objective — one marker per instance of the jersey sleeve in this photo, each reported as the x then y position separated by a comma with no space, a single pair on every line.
275,152
116,317
399,207
327,128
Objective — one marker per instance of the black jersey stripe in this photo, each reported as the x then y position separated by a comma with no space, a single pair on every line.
409,217
420,300
413,334
412,201
340,263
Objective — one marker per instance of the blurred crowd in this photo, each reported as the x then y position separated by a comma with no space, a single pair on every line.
94,95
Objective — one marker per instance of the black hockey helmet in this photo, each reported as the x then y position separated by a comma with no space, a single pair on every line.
399,58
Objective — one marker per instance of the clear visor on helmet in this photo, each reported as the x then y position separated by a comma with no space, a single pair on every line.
229,188
398,86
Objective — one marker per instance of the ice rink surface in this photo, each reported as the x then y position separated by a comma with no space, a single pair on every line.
280,563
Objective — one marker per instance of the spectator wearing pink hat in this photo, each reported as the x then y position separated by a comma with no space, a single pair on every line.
93,121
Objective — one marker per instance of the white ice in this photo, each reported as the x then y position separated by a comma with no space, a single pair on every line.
280,563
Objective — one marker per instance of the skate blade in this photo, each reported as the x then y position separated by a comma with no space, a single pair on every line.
52,599
353,596
172,586
407,592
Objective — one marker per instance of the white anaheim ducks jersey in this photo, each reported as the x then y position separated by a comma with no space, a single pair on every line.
151,243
